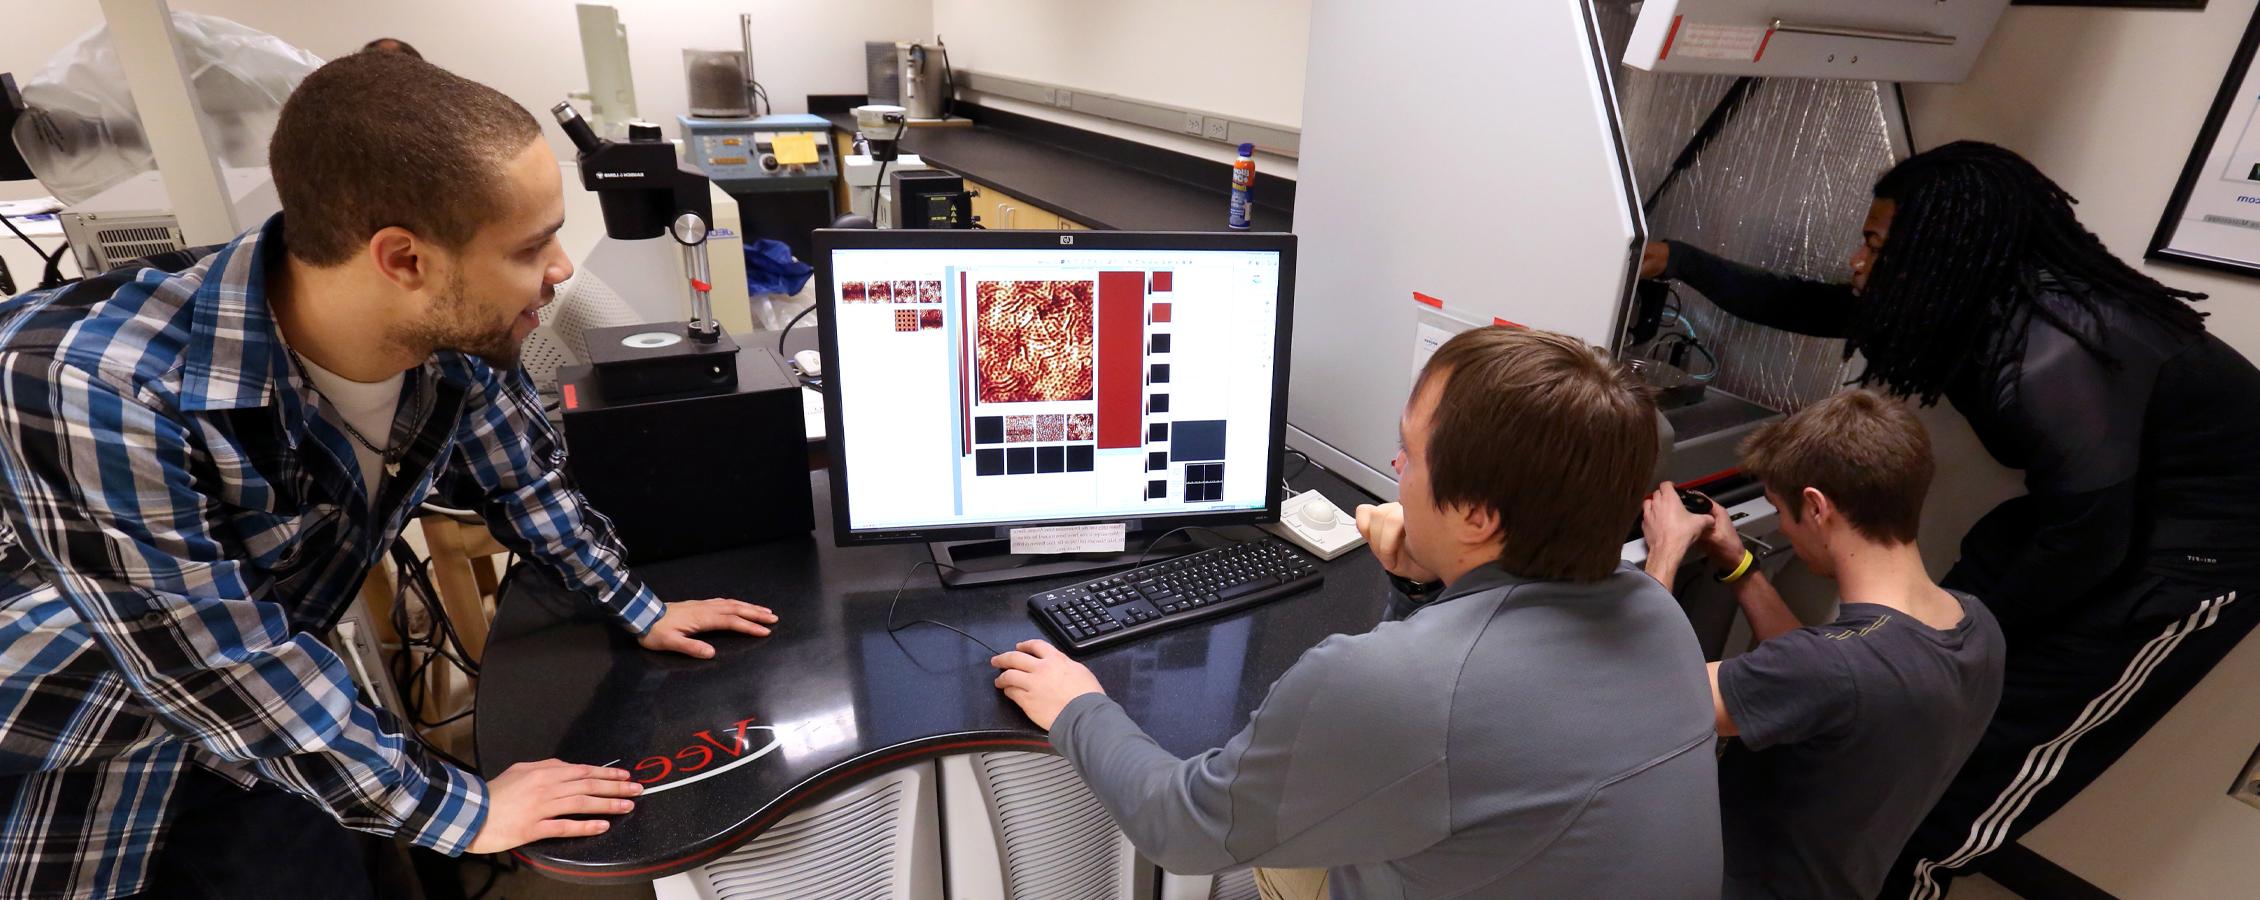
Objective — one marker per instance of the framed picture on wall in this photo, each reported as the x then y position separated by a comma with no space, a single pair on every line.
2213,218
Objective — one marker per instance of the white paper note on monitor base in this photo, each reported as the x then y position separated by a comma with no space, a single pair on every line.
1106,537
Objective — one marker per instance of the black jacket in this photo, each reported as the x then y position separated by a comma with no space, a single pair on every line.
2142,465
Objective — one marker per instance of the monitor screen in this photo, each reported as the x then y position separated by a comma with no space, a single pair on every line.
979,380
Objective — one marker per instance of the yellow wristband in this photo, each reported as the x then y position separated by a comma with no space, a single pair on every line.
1740,570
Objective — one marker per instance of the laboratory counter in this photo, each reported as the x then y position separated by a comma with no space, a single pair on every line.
1093,185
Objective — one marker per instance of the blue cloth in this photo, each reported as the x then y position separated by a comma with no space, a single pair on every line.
771,269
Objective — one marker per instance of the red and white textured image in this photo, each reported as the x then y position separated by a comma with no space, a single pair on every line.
906,320
1081,427
851,292
929,292
1051,428
906,292
1035,340
877,292
929,318
1019,429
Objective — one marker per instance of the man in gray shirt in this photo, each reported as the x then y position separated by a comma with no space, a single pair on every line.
1540,728
1849,731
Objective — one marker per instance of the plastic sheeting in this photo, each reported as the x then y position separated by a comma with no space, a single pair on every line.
82,135
1784,185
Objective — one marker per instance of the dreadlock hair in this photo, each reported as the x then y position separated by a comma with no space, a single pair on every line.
1977,235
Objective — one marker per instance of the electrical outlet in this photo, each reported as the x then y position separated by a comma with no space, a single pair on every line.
2247,787
1219,129
1193,124
1065,100
1051,97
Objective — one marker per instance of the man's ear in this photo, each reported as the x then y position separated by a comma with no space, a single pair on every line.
1820,511
1474,523
402,258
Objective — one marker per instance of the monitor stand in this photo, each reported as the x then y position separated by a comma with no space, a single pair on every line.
991,561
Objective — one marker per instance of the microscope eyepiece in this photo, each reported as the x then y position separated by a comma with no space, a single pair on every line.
577,128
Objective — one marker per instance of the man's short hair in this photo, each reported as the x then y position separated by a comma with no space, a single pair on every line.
391,45
1868,455
1551,435
372,140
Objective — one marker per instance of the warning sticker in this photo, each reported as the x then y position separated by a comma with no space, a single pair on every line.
1700,41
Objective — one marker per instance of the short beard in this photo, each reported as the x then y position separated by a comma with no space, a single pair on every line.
454,324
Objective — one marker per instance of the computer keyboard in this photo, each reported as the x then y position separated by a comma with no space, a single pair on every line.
1125,606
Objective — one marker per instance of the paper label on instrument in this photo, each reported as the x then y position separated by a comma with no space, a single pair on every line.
794,149
1718,41
1102,538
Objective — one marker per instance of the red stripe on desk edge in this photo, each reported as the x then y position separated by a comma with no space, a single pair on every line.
733,841
1669,36
1762,42
1426,300
1712,478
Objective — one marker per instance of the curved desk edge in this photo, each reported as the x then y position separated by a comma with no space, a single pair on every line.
819,786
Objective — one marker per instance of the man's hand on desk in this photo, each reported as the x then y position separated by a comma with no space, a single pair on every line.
688,617
528,802
1384,529
1042,680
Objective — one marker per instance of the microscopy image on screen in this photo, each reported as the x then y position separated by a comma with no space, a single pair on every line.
1019,429
929,318
929,292
877,292
851,292
906,320
1081,426
1035,340
1051,428
906,292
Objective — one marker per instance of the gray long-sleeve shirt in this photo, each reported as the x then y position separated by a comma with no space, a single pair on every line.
1512,738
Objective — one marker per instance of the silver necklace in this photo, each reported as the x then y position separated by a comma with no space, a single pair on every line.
391,454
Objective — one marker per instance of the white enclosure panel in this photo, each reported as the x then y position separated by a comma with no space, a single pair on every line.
879,840
1869,40
1512,201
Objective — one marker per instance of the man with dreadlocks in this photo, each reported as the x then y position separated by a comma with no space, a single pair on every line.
2117,578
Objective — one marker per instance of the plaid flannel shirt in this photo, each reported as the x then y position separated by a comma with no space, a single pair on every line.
179,520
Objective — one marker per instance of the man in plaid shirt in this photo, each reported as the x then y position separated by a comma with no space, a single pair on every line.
202,458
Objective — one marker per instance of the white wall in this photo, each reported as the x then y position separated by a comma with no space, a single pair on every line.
531,50
1237,57
2108,103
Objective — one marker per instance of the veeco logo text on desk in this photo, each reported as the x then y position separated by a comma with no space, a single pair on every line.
701,755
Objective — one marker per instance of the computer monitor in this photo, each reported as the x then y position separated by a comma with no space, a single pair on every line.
978,381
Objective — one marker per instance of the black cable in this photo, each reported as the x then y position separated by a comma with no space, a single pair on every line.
892,627
1165,536
7,280
949,79
781,332
1305,457
51,274
35,248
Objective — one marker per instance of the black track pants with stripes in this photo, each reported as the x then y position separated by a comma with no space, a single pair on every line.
2072,701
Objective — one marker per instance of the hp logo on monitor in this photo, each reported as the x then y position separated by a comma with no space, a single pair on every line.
1066,240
